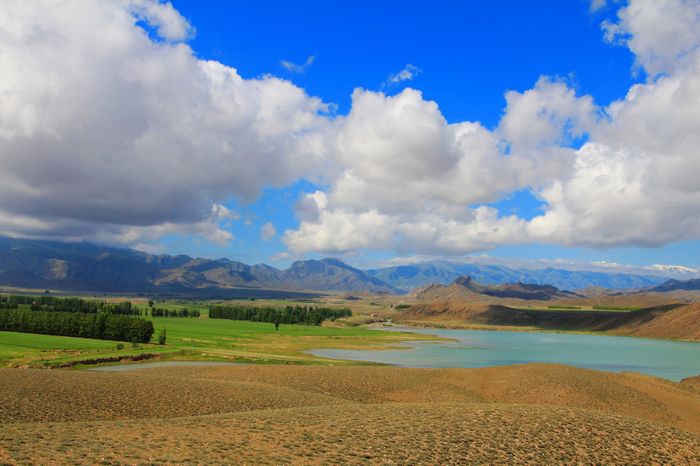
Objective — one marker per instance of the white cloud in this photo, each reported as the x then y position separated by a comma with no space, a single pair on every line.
296,67
597,4
105,132
408,73
407,178
268,231
122,137
681,269
166,19
663,34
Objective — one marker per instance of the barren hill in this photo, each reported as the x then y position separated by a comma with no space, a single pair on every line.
681,322
379,415
464,288
668,321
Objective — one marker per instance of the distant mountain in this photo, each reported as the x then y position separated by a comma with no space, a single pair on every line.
677,285
408,277
333,275
89,267
466,289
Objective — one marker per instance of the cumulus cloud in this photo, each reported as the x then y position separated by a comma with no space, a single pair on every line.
296,67
407,177
108,133
169,23
410,180
408,73
268,231
663,34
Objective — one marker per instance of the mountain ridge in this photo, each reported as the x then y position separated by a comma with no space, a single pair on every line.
83,266
464,288
88,267
409,277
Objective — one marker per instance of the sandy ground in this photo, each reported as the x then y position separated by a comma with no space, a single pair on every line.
529,414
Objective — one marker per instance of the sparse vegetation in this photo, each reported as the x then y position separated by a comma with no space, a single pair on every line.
606,307
356,415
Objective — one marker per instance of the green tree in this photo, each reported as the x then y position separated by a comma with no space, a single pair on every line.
162,337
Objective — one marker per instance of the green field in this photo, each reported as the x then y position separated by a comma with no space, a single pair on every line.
200,339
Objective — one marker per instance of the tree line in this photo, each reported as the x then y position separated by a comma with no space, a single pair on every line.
101,325
56,304
182,312
308,315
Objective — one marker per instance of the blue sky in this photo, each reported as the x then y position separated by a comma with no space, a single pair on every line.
372,131
468,53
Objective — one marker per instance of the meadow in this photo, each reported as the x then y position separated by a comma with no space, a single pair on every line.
199,339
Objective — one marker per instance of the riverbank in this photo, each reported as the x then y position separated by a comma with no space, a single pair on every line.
671,321
200,339
673,360
457,325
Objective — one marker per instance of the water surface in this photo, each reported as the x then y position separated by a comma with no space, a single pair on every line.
672,360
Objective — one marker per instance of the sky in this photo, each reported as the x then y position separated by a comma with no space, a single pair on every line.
377,132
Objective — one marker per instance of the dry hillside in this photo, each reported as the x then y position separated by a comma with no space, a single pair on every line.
668,321
682,322
529,414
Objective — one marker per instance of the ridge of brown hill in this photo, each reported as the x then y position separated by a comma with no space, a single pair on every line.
39,395
464,287
525,414
42,395
357,434
681,322
667,321
692,382
630,394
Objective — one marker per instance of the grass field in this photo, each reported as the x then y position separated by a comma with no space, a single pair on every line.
202,338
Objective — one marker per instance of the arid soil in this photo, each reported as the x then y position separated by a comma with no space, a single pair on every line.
536,414
667,321
682,322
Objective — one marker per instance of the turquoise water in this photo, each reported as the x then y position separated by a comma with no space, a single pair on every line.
672,360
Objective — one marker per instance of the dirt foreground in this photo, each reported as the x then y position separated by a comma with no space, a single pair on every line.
526,414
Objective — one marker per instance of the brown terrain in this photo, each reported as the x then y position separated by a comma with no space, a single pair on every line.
668,321
526,414
662,315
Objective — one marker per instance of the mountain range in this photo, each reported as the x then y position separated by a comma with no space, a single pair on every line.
81,266
408,277
89,267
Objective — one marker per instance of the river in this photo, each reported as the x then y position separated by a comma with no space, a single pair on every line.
672,360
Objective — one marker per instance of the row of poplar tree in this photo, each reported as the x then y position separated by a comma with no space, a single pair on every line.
309,315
